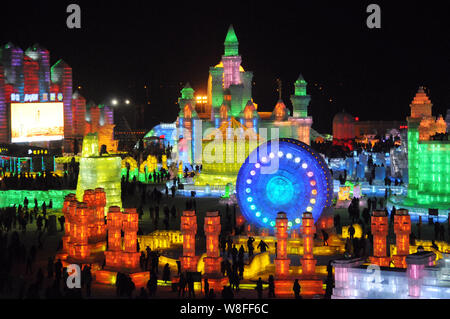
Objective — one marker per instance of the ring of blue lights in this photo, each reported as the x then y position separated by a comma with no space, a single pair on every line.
302,183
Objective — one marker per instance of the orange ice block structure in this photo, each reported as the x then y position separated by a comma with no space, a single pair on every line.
114,226
83,228
213,260
130,255
283,285
308,230
80,234
380,229
69,201
402,230
188,229
310,284
122,253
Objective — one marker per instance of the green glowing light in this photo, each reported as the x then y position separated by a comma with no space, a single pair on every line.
428,170
187,92
231,43
11,197
300,86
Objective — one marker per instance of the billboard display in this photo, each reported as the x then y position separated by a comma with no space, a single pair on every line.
36,122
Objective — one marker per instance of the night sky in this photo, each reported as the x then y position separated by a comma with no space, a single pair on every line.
125,45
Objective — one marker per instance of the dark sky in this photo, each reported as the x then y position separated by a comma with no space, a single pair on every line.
124,45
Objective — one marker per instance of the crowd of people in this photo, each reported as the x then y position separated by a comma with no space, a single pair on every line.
343,149
159,198
22,277
21,216
38,181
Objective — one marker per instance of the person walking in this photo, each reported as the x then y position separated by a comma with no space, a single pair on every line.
206,287
262,246
259,288
296,288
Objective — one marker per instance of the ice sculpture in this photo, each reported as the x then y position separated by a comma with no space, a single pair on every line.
99,171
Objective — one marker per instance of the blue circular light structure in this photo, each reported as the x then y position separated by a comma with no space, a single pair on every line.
295,183
280,190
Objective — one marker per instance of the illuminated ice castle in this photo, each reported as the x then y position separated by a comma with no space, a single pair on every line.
229,95
428,158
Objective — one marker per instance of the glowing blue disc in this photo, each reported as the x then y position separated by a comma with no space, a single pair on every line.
296,183
279,190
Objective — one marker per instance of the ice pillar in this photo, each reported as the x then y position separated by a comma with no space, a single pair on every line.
99,215
415,270
81,231
283,285
380,228
402,229
281,262
69,200
212,260
310,284
343,278
130,255
212,231
188,229
308,230
114,226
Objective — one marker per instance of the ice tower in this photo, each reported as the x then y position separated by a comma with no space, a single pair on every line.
99,171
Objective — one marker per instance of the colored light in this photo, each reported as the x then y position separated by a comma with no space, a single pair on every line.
310,174
258,214
280,190
309,208
312,183
284,190
290,224
312,201
45,120
272,223
265,220
297,220
249,199
248,190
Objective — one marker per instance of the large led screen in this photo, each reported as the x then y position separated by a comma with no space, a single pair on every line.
34,122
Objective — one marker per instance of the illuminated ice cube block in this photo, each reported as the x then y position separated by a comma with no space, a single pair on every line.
380,173
99,171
